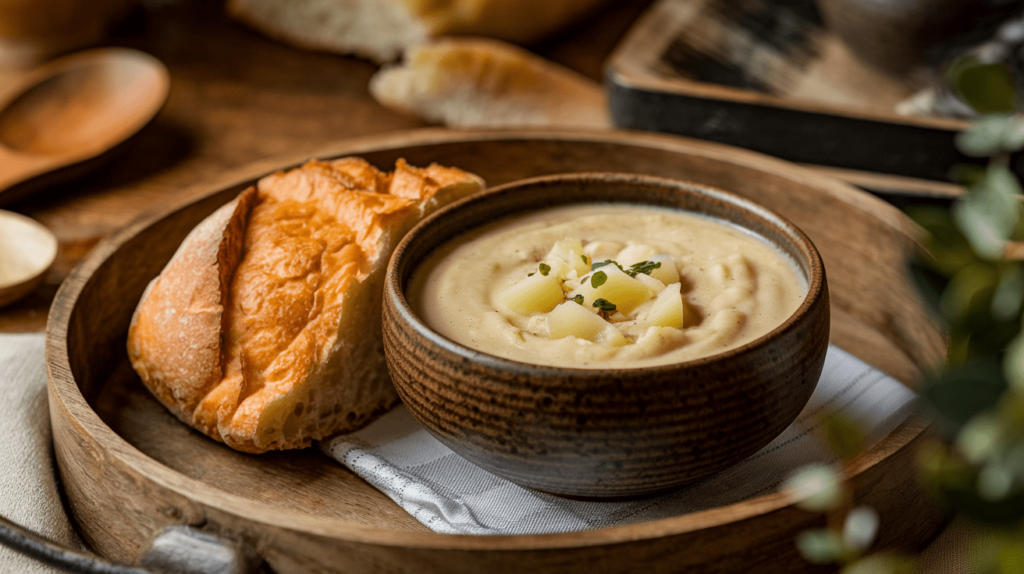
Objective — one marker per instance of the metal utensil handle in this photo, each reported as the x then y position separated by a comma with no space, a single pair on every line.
27,542
178,549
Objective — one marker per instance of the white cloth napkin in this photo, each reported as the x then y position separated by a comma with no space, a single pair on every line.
451,495
29,494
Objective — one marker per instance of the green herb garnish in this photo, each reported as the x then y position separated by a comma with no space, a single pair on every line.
584,258
598,279
644,267
545,269
607,262
604,305
578,299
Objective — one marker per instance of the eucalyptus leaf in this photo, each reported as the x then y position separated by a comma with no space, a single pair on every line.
986,87
987,136
815,487
843,435
966,174
989,212
1014,459
994,481
1013,135
929,283
860,528
978,440
969,292
946,244
1009,292
961,392
954,482
1013,363
820,546
981,229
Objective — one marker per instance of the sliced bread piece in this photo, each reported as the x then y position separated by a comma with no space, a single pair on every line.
381,30
476,82
283,341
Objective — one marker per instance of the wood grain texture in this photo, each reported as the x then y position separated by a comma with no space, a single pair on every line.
609,432
129,471
766,75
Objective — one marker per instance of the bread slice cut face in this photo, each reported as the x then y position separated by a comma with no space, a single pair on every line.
263,331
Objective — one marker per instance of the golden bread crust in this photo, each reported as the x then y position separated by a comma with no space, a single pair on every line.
263,331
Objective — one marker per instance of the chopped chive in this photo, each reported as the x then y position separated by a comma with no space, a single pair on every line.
604,305
545,269
584,258
598,279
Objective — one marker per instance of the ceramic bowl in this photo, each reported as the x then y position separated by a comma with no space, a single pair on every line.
27,250
614,432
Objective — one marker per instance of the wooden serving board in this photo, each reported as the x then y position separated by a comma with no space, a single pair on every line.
130,468
767,75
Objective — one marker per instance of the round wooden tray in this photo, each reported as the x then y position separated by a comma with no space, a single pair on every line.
130,468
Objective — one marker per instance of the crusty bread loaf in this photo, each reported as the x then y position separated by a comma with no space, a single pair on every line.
477,82
382,29
263,331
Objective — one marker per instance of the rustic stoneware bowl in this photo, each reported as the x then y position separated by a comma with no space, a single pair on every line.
615,432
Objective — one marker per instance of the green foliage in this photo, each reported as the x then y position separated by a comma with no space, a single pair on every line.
815,487
962,391
821,546
843,435
977,397
988,88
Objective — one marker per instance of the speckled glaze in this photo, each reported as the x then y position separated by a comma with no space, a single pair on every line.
605,433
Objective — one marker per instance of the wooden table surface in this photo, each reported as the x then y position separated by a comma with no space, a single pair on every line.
235,97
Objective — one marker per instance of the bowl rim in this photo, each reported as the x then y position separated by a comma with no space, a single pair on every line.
394,287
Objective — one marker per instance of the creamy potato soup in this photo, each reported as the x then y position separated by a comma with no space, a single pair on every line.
605,286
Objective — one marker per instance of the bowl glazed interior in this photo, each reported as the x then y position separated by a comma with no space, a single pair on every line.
610,432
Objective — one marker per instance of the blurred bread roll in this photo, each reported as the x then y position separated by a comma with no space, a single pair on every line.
381,30
484,83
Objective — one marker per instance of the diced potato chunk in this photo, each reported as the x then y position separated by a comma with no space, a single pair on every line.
570,250
635,254
667,273
655,285
534,294
667,309
571,318
602,250
625,292
611,337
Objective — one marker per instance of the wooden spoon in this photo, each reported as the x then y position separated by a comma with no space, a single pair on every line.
76,108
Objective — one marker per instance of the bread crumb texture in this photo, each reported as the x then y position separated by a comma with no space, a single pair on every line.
263,331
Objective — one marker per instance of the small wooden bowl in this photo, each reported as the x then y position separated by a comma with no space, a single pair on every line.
615,432
27,250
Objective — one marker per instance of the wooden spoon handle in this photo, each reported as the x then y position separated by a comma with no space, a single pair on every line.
17,167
